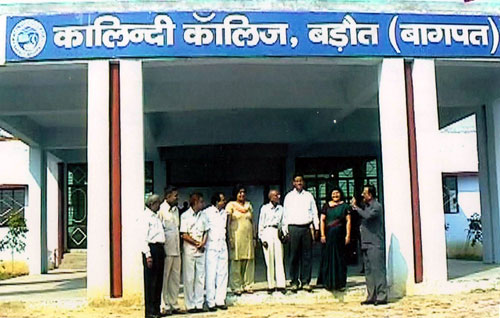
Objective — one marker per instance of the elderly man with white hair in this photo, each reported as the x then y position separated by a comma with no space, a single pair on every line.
270,220
153,255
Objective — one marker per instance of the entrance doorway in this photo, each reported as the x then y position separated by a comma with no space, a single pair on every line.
220,122
77,206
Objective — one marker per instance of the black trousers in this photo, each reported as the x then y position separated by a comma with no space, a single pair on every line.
153,279
300,254
376,283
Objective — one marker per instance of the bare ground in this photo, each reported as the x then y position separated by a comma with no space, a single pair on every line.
479,303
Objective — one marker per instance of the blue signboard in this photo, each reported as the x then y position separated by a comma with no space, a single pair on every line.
198,34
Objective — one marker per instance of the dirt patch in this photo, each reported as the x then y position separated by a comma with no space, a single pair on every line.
478,303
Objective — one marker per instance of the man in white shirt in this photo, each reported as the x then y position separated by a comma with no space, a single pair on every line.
270,220
153,255
217,256
193,230
169,215
302,223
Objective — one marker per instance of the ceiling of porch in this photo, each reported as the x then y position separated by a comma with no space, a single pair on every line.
227,101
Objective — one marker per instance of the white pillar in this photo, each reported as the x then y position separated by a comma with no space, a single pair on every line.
52,209
98,232
36,213
488,127
429,171
396,177
132,171
484,182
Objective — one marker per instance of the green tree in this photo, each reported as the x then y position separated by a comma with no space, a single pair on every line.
15,238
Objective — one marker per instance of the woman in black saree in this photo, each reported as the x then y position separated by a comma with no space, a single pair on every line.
335,228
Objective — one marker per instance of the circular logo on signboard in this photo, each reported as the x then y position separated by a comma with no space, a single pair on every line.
28,38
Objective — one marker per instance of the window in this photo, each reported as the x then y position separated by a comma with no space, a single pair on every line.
12,202
349,174
371,173
450,193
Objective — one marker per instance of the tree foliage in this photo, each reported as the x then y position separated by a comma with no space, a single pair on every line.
15,238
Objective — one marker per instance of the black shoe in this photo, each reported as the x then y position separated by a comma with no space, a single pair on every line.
212,308
222,307
381,302
238,292
282,290
294,288
368,302
177,311
192,311
270,291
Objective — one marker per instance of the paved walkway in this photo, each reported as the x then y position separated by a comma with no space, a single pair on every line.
68,288
57,286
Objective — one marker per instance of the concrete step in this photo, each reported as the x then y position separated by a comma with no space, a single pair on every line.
75,259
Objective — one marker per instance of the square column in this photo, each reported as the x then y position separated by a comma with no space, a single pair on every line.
98,226
488,132
36,212
429,171
396,177
53,225
132,174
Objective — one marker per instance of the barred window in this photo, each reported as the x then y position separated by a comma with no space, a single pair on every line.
12,201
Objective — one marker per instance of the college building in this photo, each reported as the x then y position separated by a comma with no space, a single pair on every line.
115,100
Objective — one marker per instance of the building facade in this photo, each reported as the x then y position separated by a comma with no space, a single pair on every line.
213,93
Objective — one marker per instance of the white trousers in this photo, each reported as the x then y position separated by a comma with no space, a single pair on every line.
193,277
273,256
171,282
216,276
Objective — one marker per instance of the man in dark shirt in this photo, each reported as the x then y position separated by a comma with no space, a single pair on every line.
372,246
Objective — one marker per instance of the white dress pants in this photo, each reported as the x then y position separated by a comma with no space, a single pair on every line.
171,282
193,276
216,276
273,256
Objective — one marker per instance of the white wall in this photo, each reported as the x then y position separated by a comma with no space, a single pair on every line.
459,154
458,151
14,169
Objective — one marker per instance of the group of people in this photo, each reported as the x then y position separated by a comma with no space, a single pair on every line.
224,231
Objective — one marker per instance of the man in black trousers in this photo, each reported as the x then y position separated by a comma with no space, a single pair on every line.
300,220
153,256
372,246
